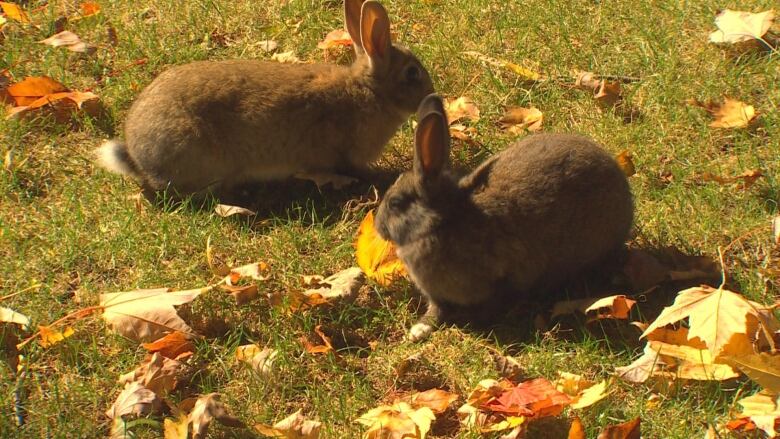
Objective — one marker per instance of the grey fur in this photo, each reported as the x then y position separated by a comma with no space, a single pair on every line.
526,220
213,125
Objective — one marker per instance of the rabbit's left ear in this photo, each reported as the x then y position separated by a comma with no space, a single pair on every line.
352,21
375,34
431,142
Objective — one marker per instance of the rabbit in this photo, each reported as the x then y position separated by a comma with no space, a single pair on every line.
212,126
525,220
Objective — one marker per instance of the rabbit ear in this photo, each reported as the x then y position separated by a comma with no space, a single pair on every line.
352,20
431,104
375,34
432,145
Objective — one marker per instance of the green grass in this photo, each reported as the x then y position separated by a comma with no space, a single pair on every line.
70,227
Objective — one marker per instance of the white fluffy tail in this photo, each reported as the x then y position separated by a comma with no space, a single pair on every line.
112,155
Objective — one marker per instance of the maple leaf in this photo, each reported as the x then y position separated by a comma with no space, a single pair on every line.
68,40
730,114
536,397
50,336
626,430
583,392
14,12
763,368
692,363
611,307
135,399
147,315
176,428
342,285
437,400
171,345
517,120
261,360
63,104
335,38
714,315
375,256
226,210
737,26
626,163
399,420
576,431
641,369
8,315
462,108
208,408
157,373
295,426
32,88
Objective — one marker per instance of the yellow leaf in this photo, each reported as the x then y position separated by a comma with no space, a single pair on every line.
375,256
737,26
437,400
516,120
286,57
261,360
89,8
763,409
624,160
397,421
525,73
730,114
176,429
714,316
295,426
50,337
14,12
763,368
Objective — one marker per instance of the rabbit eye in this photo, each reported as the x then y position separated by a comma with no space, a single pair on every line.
412,74
395,203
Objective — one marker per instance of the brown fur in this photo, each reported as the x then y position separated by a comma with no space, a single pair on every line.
218,124
526,220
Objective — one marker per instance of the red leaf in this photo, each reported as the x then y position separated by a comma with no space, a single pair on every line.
531,398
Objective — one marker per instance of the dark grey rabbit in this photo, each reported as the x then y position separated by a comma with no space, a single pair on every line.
211,126
527,219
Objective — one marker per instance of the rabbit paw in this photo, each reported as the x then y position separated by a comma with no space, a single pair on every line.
419,332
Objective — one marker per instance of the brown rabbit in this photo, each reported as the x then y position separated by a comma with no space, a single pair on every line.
525,220
214,125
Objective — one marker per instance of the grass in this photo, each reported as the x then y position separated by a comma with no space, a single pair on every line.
71,228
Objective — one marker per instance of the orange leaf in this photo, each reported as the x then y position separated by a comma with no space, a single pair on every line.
32,88
613,307
626,430
171,345
375,256
530,398
335,38
50,337
741,424
435,399
576,431
14,12
318,349
626,163
89,8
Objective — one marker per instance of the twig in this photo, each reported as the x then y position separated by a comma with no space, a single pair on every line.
33,287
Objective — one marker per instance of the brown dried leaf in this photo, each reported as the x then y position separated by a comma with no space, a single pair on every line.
318,349
226,210
295,426
171,345
33,88
626,430
261,360
746,179
738,26
335,38
135,399
763,368
626,163
157,373
730,114
342,285
517,120
437,400
462,108
68,40
208,408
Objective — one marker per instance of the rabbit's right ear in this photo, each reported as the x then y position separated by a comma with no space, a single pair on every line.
375,34
352,20
431,141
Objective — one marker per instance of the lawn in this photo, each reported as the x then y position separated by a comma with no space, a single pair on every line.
70,231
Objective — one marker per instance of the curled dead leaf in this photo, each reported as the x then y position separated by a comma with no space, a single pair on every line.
738,26
207,409
261,360
437,400
375,256
626,430
399,420
226,210
729,114
68,40
135,399
335,38
171,345
295,426
462,108
157,373
517,120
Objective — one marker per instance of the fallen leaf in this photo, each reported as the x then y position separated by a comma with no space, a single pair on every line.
208,408
176,429
518,120
157,373
243,294
32,88
692,363
50,337
226,210
737,26
763,368
375,256
523,72
462,108
606,93
14,12
746,179
252,272
135,399
583,392
437,400
626,430
295,426
342,285
763,409
626,163
576,431
147,315
335,38
641,369
8,315
261,360
63,104
730,114
612,307
776,230
714,315
400,421
171,345
536,398
285,57
89,9
68,40
317,348
267,46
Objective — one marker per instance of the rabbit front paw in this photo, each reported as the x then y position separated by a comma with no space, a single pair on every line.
419,332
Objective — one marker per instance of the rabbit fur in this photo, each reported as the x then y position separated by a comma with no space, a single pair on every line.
210,126
526,220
